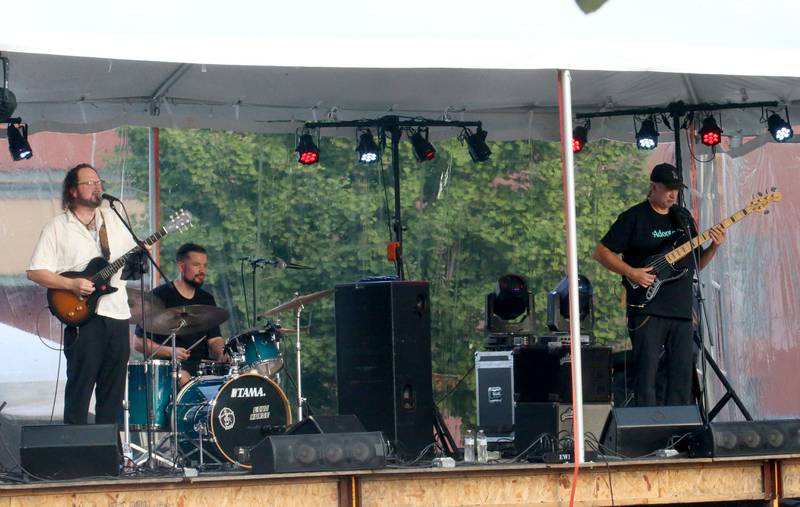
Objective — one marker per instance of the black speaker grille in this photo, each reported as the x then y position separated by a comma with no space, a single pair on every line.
70,451
383,360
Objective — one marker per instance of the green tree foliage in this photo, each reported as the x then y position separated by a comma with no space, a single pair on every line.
467,224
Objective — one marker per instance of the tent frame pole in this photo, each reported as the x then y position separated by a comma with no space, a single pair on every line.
565,84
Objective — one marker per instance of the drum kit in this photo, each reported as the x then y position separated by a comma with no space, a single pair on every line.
217,417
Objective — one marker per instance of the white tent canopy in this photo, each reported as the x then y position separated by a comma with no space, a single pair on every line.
187,67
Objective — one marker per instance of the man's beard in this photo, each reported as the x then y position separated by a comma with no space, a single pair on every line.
87,202
191,281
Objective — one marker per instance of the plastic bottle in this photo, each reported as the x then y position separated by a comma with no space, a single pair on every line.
469,447
481,447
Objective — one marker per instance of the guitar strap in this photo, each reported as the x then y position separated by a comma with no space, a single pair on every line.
104,248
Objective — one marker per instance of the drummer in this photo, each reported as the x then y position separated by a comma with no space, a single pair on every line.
192,262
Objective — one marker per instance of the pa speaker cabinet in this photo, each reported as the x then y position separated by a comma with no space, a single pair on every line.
494,391
633,432
556,420
543,373
70,451
747,438
383,360
313,453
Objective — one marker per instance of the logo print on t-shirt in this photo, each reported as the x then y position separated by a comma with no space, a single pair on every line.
662,234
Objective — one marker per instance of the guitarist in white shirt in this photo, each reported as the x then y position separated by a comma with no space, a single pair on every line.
97,352
663,323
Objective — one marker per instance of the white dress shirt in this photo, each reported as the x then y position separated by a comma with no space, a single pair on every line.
67,245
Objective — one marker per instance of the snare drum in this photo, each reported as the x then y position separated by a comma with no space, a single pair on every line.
257,350
161,391
231,415
214,368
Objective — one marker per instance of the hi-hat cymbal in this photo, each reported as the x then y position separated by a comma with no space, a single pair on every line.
189,319
152,304
298,301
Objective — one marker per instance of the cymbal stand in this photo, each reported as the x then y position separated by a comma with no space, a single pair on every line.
300,400
175,377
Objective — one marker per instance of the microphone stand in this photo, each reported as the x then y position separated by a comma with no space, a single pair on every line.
706,357
148,379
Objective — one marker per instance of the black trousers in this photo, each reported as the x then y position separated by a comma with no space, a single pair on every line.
97,360
650,336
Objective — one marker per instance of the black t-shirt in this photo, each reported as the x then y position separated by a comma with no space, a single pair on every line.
640,232
171,298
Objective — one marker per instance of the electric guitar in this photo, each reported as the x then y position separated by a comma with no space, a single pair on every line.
75,310
664,264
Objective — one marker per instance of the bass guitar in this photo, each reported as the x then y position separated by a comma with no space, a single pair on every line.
75,310
664,264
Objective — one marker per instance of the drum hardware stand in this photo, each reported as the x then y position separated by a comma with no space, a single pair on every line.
175,378
300,400
202,431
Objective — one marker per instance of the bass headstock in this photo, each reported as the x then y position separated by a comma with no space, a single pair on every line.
762,200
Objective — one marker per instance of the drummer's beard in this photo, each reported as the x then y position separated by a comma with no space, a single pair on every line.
193,282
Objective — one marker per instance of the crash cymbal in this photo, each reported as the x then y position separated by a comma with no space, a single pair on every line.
188,319
152,304
298,301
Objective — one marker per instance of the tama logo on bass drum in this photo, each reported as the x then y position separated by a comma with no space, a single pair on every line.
247,392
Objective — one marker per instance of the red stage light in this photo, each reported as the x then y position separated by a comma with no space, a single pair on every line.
710,134
580,136
307,151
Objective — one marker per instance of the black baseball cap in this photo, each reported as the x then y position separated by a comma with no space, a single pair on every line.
668,175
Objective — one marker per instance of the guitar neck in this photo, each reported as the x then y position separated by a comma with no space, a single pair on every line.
108,271
683,250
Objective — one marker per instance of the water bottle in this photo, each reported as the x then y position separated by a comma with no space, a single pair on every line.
469,447
481,445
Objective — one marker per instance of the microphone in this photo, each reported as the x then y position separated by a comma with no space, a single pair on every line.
253,260
109,198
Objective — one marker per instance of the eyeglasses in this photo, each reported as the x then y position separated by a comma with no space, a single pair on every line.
92,183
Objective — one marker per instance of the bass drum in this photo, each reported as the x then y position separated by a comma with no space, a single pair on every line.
232,413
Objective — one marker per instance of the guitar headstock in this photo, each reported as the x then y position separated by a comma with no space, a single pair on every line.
179,221
762,200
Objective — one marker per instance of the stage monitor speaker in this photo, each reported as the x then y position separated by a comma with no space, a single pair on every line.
70,451
316,424
634,432
314,453
383,360
747,438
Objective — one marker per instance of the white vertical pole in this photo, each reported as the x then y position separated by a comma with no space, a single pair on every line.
564,80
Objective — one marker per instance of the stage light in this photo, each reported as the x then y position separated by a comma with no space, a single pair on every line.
18,142
307,151
710,134
367,150
780,129
647,136
558,305
423,149
509,311
476,144
580,136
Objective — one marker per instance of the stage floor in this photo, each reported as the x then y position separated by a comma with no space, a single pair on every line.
662,481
